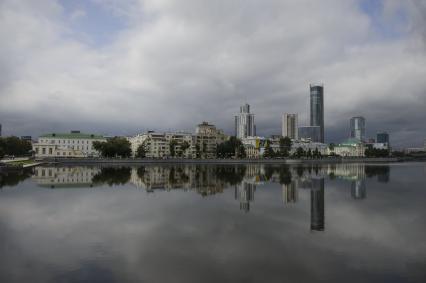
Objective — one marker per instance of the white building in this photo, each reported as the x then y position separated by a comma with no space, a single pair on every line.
290,126
307,145
350,148
244,123
74,144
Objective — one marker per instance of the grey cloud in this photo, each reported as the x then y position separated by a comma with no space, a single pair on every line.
178,63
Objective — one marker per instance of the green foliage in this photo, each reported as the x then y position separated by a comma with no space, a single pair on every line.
299,153
285,146
115,147
172,146
141,152
373,152
269,153
231,148
184,146
14,146
331,146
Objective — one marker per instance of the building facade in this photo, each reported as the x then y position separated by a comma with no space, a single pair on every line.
74,144
244,123
357,128
350,148
382,137
290,126
312,133
317,108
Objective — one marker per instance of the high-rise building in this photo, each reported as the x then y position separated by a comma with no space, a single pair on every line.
244,123
382,137
357,128
317,108
312,133
290,126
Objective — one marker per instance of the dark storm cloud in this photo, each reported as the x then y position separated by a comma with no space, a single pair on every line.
175,64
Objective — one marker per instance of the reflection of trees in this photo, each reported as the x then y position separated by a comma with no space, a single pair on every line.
112,176
233,175
382,172
15,177
285,175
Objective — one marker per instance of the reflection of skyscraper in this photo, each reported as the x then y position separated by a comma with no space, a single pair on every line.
317,108
244,192
289,193
317,205
359,189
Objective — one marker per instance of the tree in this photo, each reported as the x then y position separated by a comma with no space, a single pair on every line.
309,153
299,152
231,148
172,146
269,153
14,146
141,152
115,147
184,146
285,146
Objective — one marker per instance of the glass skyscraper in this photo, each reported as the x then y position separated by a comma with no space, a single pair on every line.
383,137
357,126
317,108
244,123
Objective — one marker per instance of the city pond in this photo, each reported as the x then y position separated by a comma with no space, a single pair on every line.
214,223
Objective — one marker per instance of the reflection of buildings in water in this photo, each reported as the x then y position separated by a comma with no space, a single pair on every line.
347,171
202,179
55,177
289,193
317,205
244,192
359,189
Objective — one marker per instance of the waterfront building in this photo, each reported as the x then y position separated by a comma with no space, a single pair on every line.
202,144
307,145
73,144
317,108
290,126
254,146
350,148
357,128
312,133
244,123
382,137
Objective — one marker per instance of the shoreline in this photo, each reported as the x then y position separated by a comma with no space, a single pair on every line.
92,161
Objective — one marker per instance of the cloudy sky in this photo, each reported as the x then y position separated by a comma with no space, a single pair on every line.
124,66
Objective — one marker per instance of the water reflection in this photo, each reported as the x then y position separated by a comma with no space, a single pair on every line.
213,224
209,180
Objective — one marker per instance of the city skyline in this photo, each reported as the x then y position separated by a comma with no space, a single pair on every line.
121,69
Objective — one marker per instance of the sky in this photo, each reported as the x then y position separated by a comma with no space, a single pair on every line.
121,67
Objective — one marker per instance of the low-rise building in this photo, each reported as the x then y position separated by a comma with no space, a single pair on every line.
73,144
307,145
350,148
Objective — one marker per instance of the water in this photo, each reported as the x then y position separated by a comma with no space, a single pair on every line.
256,223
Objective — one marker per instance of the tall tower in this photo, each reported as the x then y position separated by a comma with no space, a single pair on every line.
244,123
290,126
357,126
317,108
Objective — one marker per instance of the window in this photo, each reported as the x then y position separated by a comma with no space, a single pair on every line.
50,151
43,150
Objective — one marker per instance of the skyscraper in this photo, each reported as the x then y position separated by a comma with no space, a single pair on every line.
317,108
312,133
244,123
357,128
382,137
289,126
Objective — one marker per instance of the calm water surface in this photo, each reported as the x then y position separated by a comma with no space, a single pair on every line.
195,223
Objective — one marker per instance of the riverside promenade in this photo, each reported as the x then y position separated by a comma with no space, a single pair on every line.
91,161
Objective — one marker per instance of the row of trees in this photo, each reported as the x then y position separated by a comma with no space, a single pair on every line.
14,146
373,152
115,147
231,148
